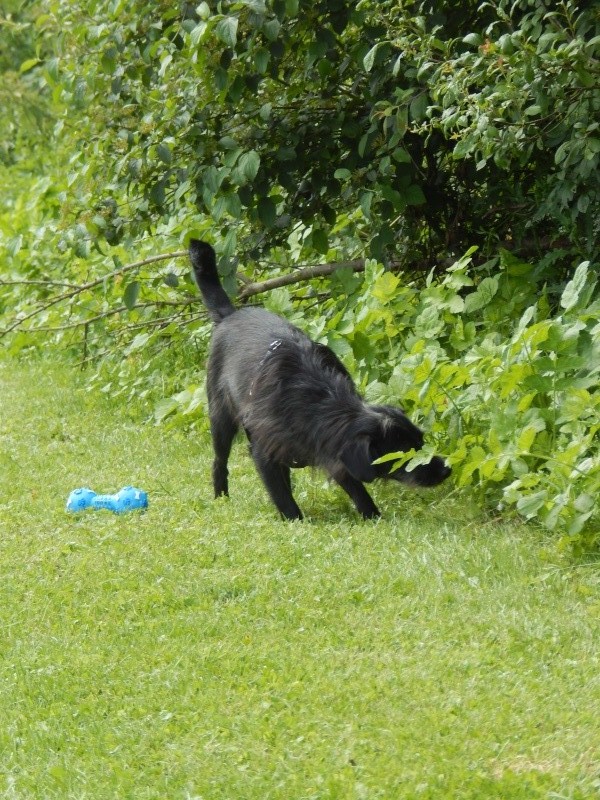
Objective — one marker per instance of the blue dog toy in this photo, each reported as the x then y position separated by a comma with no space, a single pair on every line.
127,499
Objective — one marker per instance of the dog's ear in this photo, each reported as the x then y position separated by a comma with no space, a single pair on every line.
357,458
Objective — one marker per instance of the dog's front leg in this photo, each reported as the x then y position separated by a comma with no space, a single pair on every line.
362,500
276,478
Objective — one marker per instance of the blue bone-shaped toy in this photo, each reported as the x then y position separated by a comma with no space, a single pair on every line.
128,499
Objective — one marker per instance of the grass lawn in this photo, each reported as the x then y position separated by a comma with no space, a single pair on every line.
208,650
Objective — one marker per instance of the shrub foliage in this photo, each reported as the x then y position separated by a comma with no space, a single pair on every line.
440,125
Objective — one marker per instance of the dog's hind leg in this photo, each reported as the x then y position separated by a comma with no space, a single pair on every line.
362,500
277,480
223,428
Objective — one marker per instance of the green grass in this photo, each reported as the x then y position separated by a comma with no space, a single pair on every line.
208,650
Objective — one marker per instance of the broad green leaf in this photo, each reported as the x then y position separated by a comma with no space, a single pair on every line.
203,10
526,438
226,30
271,29
482,296
248,165
131,293
261,59
366,198
198,33
267,211
418,107
171,280
258,6
572,290
157,193
413,195
164,153
530,504
385,286
14,245
29,64
369,59
474,39
320,240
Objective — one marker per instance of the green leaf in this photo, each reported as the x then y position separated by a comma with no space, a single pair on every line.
198,33
385,286
320,241
366,198
399,458
419,106
267,211
164,153
139,342
171,280
261,60
414,196
369,59
474,39
258,6
157,193
52,68
482,296
203,10
14,245
131,293
401,156
530,504
527,437
247,166
572,290
271,29
226,30
463,147
29,64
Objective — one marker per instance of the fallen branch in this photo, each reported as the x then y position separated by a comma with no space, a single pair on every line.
249,289
304,274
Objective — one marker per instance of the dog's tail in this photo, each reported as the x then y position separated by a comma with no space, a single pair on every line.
204,265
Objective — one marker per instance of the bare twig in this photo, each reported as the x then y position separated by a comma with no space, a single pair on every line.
90,285
111,312
37,283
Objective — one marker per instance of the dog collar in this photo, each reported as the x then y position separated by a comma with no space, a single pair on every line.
271,349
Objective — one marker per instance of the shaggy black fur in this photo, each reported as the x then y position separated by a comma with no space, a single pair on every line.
297,404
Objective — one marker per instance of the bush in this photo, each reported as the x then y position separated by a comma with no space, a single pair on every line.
504,382
437,125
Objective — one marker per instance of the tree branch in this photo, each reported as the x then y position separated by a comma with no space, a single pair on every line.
249,289
303,274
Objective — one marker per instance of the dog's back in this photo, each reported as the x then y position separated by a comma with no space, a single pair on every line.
241,343
244,338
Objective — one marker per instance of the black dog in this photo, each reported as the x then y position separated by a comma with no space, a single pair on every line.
297,404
